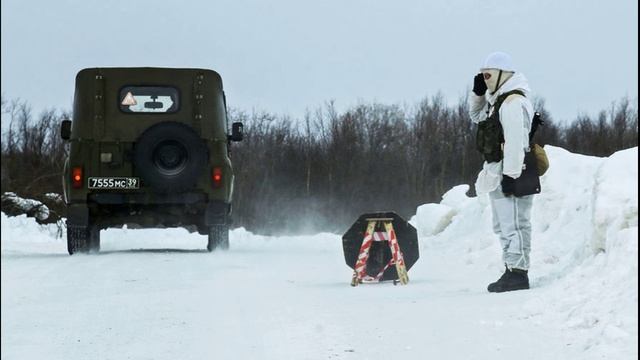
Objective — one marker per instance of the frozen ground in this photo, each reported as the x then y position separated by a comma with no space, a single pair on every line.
156,294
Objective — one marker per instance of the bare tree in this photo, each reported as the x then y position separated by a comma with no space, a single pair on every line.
319,173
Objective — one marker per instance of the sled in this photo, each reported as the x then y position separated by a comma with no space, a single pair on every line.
380,246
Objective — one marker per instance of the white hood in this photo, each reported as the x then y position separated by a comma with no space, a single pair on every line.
516,82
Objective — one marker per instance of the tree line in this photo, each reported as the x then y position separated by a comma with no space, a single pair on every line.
321,171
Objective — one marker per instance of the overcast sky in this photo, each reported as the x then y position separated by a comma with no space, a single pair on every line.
287,56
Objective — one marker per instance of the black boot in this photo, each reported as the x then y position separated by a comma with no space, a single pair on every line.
515,279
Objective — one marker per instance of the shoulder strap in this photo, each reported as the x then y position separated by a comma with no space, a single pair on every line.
504,97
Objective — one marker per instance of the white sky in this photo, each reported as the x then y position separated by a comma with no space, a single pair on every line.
285,56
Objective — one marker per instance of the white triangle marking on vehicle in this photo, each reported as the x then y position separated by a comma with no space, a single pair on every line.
129,99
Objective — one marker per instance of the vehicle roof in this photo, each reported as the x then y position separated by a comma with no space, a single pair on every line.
150,74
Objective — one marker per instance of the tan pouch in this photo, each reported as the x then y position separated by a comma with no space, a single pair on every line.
542,161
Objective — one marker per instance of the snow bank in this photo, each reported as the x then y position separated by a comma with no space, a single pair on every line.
584,259
16,231
615,197
431,219
23,228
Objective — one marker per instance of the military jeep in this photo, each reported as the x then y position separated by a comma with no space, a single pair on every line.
148,148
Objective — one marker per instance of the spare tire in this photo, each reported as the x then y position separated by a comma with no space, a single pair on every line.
170,157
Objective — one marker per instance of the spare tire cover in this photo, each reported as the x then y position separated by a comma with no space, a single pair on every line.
170,157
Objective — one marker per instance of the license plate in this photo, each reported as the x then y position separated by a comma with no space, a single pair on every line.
114,183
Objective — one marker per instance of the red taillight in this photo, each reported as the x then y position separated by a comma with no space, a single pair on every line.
217,176
76,177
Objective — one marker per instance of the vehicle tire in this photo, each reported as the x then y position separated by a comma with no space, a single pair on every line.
77,239
170,157
218,238
94,239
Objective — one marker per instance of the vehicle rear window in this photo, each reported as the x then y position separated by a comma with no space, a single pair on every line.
149,99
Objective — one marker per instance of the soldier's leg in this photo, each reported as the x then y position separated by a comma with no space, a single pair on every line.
499,203
517,255
514,217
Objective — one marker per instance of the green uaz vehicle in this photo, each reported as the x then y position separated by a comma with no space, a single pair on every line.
149,148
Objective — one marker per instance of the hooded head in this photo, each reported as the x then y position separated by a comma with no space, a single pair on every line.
497,69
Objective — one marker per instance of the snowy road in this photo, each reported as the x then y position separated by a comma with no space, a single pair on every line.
283,298
156,294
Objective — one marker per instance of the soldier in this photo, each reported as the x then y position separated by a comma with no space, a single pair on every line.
500,106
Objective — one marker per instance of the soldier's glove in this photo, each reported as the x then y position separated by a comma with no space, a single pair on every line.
508,185
479,86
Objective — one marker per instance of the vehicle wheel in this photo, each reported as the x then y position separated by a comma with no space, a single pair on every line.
170,157
218,238
94,239
77,239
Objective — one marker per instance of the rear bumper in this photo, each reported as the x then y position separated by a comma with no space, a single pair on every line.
187,210
146,198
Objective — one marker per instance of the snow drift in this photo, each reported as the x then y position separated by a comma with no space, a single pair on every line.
584,245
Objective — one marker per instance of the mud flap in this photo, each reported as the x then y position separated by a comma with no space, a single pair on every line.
78,215
217,213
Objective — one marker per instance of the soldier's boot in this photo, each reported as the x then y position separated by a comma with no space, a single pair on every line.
514,279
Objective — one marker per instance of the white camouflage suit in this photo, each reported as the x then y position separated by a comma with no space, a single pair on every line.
511,215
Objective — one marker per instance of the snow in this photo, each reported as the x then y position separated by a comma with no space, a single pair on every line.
432,219
53,197
156,294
